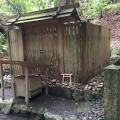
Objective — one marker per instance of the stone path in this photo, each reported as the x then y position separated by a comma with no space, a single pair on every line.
56,105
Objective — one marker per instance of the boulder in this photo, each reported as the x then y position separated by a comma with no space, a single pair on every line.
52,90
41,112
95,95
59,91
88,95
2,105
7,109
25,111
50,116
55,91
78,95
114,59
67,92
38,112
16,109
5,105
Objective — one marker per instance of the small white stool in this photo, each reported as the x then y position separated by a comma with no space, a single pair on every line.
66,75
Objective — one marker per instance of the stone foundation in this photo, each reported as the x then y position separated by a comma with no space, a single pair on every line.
74,93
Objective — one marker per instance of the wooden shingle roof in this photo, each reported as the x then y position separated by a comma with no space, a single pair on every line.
53,13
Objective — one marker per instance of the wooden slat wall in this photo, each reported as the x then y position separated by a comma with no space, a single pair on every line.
78,48
16,50
86,50
71,49
41,45
95,50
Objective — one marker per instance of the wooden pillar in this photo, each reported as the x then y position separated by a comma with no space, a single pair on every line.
60,48
2,82
46,82
26,86
13,88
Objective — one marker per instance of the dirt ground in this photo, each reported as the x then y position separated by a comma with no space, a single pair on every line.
112,21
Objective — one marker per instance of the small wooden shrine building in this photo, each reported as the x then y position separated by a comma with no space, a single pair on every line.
59,38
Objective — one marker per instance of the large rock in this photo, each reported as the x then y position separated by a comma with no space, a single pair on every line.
25,111
67,92
7,109
78,95
52,90
16,109
6,105
50,116
55,91
88,95
114,59
2,105
38,112
96,95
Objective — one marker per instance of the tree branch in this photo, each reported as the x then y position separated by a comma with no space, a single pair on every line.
13,6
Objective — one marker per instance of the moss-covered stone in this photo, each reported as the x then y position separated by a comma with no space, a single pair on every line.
16,109
67,92
78,95
50,116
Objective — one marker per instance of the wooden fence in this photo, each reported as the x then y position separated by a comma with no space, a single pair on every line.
80,49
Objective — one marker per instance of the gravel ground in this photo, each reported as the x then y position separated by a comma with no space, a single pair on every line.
86,110
11,117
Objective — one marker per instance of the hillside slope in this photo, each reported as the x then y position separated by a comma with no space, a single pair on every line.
111,19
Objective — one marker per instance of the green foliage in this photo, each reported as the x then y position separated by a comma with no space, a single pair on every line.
113,6
11,7
93,8
3,45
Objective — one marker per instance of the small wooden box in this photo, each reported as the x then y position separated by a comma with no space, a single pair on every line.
34,83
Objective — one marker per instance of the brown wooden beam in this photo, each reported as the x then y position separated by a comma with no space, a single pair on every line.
51,22
26,63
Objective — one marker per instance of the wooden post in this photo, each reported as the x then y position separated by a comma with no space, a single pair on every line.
2,82
13,89
60,47
26,86
46,82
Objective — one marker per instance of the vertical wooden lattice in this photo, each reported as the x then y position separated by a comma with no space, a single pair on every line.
16,50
